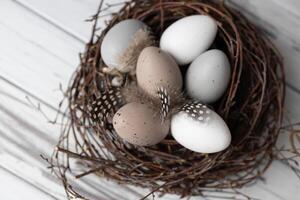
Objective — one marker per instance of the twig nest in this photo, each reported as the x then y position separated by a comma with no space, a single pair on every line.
250,106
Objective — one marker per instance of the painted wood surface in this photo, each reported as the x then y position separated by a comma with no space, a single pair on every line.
280,19
39,45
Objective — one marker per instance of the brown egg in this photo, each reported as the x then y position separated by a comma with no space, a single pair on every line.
137,124
155,68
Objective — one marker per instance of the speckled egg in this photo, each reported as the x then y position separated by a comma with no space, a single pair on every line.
200,129
188,37
137,124
208,76
155,68
117,40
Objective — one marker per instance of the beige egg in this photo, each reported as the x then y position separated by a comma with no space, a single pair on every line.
137,124
155,68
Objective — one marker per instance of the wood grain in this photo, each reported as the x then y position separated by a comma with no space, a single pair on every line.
280,20
69,15
37,56
40,41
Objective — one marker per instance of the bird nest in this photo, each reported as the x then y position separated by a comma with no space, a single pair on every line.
252,107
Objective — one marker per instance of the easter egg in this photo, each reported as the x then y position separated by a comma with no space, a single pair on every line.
200,129
188,37
208,76
138,124
155,68
118,39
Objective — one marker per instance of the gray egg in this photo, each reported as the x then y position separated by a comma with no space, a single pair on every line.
208,76
117,39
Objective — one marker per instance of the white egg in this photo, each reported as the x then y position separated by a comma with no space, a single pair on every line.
117,40
200,129
188,37
208,76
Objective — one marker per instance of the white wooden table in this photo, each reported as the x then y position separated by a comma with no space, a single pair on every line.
39,45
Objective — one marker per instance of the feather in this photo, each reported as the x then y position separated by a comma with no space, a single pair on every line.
105,105
128,60
197,111
165,102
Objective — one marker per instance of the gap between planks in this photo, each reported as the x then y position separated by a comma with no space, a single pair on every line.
24,91
51,21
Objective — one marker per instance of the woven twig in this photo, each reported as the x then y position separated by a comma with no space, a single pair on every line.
252,108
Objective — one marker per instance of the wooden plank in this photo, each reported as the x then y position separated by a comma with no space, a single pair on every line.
69,15
35,51
22,142
36,58
36,55
25,135
16,183
281,21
